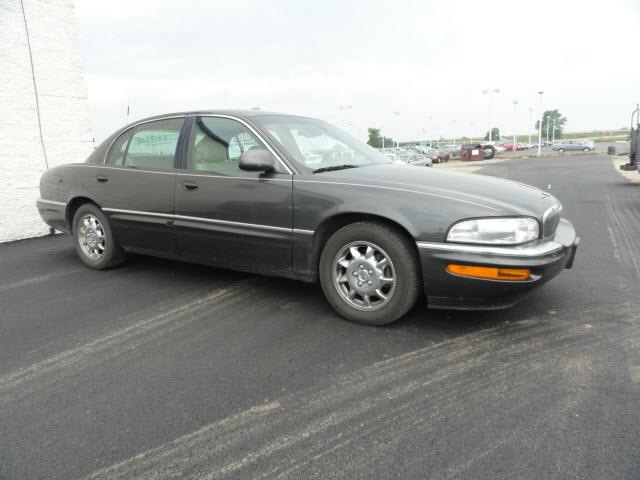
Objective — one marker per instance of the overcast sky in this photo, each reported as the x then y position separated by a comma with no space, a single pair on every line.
419,58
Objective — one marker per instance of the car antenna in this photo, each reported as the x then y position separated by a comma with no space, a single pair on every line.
128,103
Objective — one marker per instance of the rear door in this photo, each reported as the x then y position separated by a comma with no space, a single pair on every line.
135,190
226,216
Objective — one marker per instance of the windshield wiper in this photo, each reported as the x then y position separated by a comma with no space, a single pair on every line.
335,167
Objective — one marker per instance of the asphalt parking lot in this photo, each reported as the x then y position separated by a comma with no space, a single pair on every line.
161,369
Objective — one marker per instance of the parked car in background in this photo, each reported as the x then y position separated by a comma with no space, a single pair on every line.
519,146
453,150
499,148
574,144
414,158
271,194
436,156
389,154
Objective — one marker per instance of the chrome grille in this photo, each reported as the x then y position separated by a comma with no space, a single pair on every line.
551,219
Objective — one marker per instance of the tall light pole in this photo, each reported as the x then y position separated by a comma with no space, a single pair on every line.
540,126
530,113
553,132
515,121
546,138
490,92
345,118
430,133
398,136
453,136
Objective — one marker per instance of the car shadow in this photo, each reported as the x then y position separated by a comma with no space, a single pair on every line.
311,307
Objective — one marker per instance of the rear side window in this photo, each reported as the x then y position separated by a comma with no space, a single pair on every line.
151,145
119,149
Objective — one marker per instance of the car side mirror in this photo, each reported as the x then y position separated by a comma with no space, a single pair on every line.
257,160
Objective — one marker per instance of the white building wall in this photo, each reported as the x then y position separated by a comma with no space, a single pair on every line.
62,100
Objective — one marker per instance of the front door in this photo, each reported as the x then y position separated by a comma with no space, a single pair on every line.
226,216
135,187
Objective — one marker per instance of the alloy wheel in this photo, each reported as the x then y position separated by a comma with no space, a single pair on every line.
364,275
91,237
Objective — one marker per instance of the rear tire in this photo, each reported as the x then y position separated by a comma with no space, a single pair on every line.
93,238
586,149
369,273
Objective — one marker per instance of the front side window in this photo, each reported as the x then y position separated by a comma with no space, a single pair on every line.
150,145
216,144
314,144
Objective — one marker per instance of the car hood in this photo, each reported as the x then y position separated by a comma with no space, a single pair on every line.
497,196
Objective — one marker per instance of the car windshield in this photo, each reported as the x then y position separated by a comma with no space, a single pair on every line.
316,145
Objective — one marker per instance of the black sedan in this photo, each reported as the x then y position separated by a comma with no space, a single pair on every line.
296,197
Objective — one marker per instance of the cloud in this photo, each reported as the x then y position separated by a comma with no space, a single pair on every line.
422,59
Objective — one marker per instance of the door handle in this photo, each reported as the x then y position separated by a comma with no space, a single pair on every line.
189,186
102,179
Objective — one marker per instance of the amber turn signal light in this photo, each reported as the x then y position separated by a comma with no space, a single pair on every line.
492,273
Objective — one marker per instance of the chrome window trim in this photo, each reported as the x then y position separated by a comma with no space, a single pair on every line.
254,131
228,177
51,202
176,171
399,190
208,220
134,125
538,250
125,169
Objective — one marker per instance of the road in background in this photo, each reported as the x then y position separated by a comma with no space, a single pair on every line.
160,368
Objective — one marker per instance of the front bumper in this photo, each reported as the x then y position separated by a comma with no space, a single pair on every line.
545,259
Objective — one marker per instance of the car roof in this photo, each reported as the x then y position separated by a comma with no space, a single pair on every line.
230,112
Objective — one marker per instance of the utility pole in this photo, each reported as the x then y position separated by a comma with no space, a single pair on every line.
490,92
553,132
515,121
541,93
547,136
345,117
530,113
398,136
453,136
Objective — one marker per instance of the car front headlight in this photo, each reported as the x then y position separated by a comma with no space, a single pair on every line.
495,231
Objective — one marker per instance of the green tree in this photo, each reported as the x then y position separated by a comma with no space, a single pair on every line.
555,121
376,141
495,134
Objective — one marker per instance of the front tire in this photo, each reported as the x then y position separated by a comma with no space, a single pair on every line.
561,150
586,149
369,273
93,239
